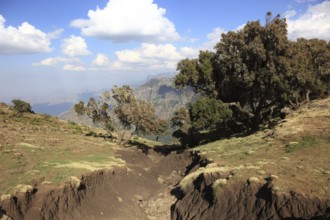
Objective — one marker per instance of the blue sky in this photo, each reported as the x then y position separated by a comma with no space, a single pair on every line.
53,50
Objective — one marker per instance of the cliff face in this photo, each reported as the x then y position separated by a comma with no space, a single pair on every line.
162,94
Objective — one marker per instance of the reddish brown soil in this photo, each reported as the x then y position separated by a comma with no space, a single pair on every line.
145,190
139,191
245,201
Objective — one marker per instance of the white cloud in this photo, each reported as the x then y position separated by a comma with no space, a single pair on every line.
149,52
55,34
125,20
213,38
289,14
314,23
189,52
160,57
75,46
25,39
100,60
240,27
52,61
72,67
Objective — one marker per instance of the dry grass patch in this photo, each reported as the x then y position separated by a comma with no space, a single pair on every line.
297,151
39,148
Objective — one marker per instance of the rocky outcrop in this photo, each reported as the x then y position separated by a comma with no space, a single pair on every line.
162,94
244,201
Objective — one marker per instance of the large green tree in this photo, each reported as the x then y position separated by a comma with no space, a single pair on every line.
97,110
258,70
197,73
310,70
128,115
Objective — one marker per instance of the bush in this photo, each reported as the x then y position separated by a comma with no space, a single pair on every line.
21,106
208,113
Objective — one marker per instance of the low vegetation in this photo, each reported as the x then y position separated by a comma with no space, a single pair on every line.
21,106
40,149
128,117
296,151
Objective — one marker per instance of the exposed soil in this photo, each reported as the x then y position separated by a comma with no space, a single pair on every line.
287,170
142,190
250,200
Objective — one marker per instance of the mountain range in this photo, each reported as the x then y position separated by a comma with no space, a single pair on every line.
159,91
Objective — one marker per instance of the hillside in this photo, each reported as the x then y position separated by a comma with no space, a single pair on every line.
162,94
159,91
52,170
287,168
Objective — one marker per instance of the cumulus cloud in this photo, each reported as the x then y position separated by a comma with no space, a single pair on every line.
189,52
55,34
52,61
314,23
72,67
213,38
160,57
100,60
75,46
125,20
25,39
149,51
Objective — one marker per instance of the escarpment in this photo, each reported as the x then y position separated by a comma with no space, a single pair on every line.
250,200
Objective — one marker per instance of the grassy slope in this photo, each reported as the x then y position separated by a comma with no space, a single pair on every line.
297,150
40,148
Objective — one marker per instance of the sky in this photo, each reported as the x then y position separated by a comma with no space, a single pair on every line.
53,50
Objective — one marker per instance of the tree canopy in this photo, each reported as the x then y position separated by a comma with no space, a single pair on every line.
133,115
21,106
258,70
208,113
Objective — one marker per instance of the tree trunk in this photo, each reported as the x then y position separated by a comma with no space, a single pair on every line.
256,121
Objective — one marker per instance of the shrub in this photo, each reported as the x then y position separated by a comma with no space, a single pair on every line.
21,106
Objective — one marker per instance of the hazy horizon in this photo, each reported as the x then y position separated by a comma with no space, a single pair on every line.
52,51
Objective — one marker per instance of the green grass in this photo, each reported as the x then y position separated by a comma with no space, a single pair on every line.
36,148
304,142
136,140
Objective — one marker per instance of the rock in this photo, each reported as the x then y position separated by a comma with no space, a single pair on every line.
5,197
161,180
46,183
75,182
300,167
119,199
24,188
276,188
261,172
253,179
220,182
210,165
273,177
249,152
138,197
285,158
